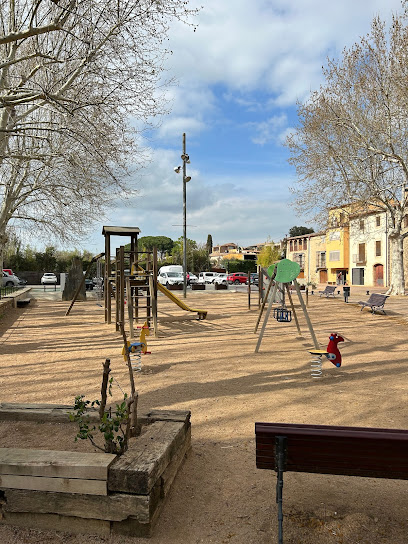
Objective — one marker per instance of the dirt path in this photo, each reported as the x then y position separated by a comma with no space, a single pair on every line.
210,368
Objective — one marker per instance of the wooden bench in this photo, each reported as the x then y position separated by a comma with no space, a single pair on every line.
375,302
322,449
329,291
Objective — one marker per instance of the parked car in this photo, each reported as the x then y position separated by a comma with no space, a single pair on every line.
237,277
254,279
170,278
89,285
49,278
21,281
191,278
206,277
9,280
220,279
9,271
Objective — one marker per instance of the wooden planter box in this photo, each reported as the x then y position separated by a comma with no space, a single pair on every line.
220,286
93,493
198,286
176,287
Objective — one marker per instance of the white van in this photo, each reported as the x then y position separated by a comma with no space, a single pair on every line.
206,277
171,275
171,268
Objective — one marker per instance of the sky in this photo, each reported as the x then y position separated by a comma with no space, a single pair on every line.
240,75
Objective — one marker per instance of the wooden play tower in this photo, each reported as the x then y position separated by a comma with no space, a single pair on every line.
130,275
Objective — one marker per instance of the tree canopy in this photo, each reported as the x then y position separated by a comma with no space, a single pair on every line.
299,231
269,254
72,74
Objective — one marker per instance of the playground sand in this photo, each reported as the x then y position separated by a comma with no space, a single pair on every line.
210,368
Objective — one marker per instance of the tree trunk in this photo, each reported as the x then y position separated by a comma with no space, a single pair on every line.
397,281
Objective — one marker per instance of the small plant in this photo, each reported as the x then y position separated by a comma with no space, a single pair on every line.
114,426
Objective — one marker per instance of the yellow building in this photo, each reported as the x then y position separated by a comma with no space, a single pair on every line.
338,247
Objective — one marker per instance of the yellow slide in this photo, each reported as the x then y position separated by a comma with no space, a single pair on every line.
202,314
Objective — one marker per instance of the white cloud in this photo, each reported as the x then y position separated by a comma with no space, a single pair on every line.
269,130
277,45
172,127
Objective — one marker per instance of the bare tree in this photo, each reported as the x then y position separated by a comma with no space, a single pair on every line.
351,146
73,74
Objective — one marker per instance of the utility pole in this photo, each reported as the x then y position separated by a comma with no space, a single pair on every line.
184,158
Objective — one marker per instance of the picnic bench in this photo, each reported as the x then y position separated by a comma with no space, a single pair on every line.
375,302
329,291
324,449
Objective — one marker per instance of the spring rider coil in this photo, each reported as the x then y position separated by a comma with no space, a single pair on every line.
317,362
135,355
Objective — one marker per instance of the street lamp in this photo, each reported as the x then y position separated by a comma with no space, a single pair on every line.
186,160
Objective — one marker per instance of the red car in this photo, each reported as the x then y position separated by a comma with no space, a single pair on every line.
237,277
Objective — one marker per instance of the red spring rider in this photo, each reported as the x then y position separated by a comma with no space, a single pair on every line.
334,354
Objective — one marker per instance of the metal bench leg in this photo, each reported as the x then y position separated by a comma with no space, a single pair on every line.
280,465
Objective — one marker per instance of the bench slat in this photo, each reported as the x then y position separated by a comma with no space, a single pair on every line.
354,451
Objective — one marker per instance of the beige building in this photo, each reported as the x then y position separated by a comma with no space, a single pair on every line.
309,251
369,262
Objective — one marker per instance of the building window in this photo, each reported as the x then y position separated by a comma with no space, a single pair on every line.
378,248
305,243
321,259
361,225
378,221
295,245
300,244
361,253
334,256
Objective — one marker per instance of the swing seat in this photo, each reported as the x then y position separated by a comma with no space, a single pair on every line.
282,315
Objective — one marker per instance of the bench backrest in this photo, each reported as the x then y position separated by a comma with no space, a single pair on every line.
329,289
376,299
352,451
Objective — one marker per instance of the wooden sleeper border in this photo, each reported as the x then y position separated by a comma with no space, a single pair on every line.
137,483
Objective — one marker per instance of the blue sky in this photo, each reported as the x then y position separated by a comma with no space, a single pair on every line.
239,77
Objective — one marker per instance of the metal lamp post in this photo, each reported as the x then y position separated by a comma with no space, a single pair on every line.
186,160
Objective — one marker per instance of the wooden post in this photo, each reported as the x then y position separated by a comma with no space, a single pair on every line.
249,290
107,290
117,293
134,394
121,295
307,296
148,291
104,386
293,309
154,291
268,311
130,306
154,305
309,323
263,305
260,284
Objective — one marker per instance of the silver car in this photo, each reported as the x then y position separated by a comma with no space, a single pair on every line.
9,280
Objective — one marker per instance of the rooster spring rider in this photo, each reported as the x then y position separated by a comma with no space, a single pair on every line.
333,353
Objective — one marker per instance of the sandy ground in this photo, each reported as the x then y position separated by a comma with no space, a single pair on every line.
210,368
